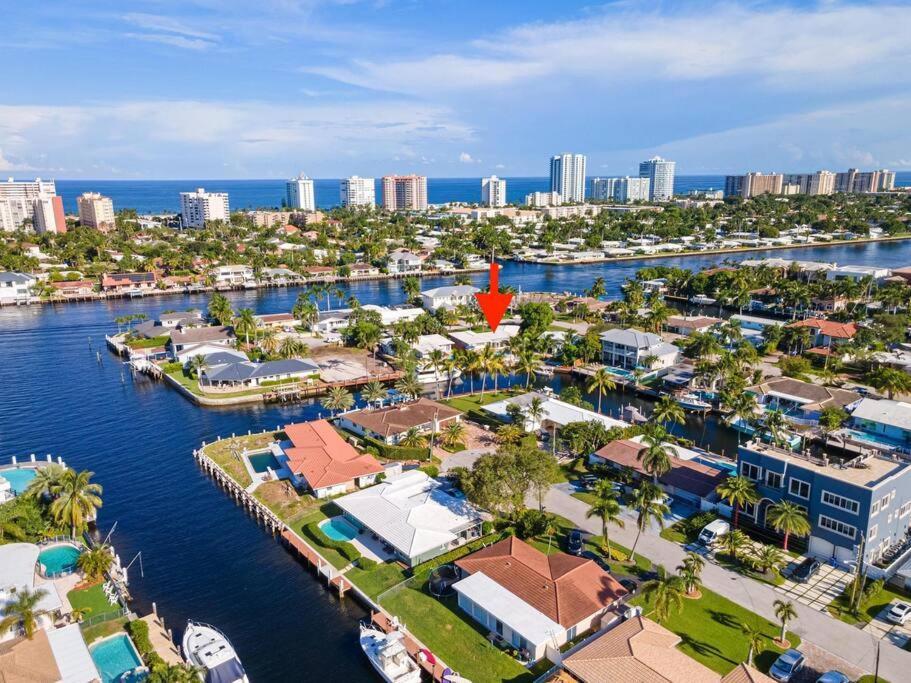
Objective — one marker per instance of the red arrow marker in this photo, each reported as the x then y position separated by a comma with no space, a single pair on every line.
492,303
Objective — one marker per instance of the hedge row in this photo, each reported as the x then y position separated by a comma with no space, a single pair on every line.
139,633
395,452
346,550
453,555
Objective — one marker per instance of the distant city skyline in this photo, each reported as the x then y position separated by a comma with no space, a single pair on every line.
225,90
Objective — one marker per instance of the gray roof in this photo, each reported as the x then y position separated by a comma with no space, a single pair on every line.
224,357
197,335
632,338
893,413
246,370
455,290
15,277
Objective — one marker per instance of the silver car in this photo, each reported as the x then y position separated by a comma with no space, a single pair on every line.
900,613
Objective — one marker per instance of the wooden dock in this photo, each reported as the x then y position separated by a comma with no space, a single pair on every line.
295,391
384,622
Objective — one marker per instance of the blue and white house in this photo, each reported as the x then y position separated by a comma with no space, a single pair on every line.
881,424
864,499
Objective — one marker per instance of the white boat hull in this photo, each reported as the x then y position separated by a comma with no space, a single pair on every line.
431,377
388,656
208,649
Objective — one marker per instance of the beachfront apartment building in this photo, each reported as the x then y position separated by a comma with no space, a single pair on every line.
405,192
567,177
21,200
623,190
630,349
660,174
199,207
493,191
95,211
47,214
448,297
16,288
299,193
356,191
866,499
542,199
753,184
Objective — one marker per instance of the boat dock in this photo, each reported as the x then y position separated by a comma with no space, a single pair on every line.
386,624
294,391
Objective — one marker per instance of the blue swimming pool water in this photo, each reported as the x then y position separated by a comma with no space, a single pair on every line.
60,559
717,464
19,478
338,529
114,657
872,438
260,462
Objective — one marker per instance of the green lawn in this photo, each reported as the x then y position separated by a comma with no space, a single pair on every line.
710,631
475,401
839,606
93,600
104,629
192,386
375,581
333,556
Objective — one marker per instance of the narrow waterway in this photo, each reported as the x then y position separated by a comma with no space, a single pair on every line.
202,557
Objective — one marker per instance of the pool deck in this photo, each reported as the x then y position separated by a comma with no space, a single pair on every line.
161,642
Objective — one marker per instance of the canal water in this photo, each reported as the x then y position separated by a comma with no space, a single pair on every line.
202,557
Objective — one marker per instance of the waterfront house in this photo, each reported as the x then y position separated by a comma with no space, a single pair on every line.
685,325
363,270
414,514
801,402
50,656
227,277
639,649
476,341
18,573
168,323
403,262
276,321
827,333
247,374
280,276
857,273
556,413
391,423
320,459
866,499
127,283
423,347
691,477
184,344
882,424
534,601
448,297
753,327
319,272
628,349
74,289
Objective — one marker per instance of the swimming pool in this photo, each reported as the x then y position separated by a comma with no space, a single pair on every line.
338,529
19,478
114,657
870,437
260,462
59,560
717,464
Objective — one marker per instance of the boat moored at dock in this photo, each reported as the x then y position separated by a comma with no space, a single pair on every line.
389,656
209,649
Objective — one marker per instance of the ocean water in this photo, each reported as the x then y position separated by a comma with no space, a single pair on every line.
150,196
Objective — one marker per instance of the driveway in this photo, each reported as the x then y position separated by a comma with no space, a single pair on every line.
883,629
462,459
826,585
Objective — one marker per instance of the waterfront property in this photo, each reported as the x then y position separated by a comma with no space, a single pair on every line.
168,323
391,423
18,563
16,288
128,283
882,424
403,262
448,297
534,601
320,459
864,499
50,655
753,327
685,325
800,402
234,375
185,344
630,349
476,341
423,347
556,413
826,333
414,515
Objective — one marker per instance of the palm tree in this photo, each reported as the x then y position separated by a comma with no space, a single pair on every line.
733,542
408,385
10,527
655,457
23,611
602,382
754,639
436,358
890,380
44,481
668,410
509,434
291,348
767,559
737,491
450,365
650,507
198,365
76,498
373,392
245,323
690,572
305,310
95,562
667,591
270,343
788,518
784,612
485,357
607,508
496,367
774,424
162,672
220,309
453,434
413,439
527,362
534,412
338,398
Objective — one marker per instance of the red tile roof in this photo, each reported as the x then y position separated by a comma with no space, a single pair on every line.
323,457
830,328
565,588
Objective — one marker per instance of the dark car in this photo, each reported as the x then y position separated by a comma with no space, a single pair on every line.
805,570
596,558
574,542
630,585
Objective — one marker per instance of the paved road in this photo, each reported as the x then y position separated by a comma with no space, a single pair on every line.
848,642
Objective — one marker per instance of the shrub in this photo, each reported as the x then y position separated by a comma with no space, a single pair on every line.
431,470
695,523
531,523
872,591
794,366
618,555
487,528
366,564
139,632
346,550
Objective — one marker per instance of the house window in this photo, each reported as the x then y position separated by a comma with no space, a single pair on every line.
904,509
873,531
884,503
874,509
799,488
837,527
749,509
773,479
751,471
837,501
571,633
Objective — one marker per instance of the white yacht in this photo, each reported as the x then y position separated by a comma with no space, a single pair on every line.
702,300
428,375
387,653
210,650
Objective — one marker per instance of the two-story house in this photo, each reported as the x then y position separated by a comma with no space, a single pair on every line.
827,333
15,288
448,297
630,349
402,262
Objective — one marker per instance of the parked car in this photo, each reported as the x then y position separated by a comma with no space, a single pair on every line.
630,585
900,613
712,531
805,570
787,665
574,542
833,677
596,558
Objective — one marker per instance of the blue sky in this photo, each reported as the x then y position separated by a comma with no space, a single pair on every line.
238,89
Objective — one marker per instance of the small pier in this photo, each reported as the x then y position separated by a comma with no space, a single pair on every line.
296,391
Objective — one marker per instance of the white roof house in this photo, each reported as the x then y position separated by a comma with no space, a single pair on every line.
895,414
474,341
73,658
448,297
17,573
556,411
414,514
858,272
629,348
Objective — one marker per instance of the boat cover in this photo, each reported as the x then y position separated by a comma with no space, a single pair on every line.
227,672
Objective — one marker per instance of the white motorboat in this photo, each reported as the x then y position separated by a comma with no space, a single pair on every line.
693,403
387,653
429,376
545,371
702,300
210,650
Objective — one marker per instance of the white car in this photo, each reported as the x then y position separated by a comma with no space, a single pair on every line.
899,613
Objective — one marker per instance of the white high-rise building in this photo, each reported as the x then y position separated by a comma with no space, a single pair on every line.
493,191
299,193
660,173
196,208
17,201
95,210
355,191
567,176
624,189
540,199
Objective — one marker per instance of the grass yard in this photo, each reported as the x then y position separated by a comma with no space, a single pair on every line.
375,581
475,401
280,497
191,385
91,599
710,630
839,606
221,453
103,630
333,556
457,639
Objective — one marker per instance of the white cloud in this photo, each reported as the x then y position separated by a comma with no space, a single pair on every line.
466,158
169,31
